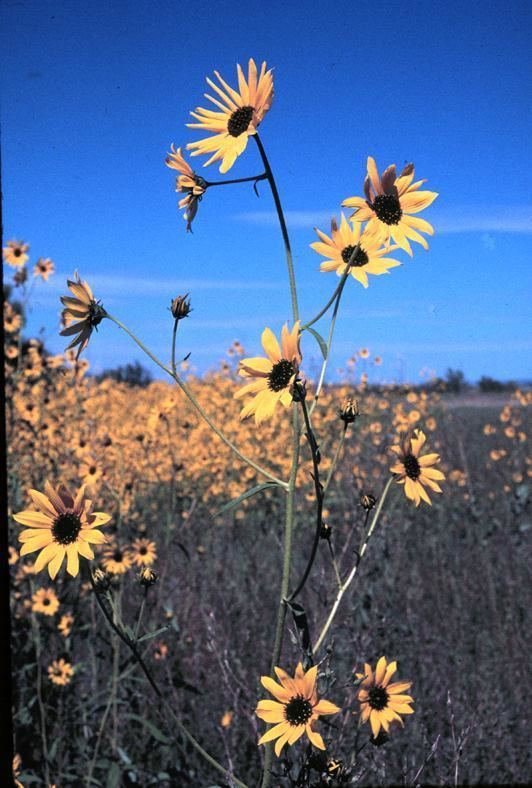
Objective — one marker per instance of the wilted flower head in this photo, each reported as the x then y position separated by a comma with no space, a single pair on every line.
192,185
81,315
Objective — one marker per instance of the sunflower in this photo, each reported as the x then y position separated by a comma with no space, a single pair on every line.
60,672
143,552
81,314
274,375
65,624
64,525
295,709
241,112
45,601
416,472
15,253
90,472
12,319
44,268
188,182
389,203
381,702
344,241
116,560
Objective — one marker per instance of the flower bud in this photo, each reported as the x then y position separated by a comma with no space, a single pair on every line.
180,307
101,581
367,501
349,412
148,577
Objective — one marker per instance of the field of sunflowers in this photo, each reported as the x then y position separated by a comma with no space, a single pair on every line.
446,589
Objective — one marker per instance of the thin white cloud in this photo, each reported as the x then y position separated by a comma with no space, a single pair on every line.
456,219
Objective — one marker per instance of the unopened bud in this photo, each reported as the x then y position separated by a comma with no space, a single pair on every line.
148,577
101,581
299,390
367,501
325,531
349,412
180,307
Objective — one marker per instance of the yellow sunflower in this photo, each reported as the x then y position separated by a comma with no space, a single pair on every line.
65,624
381,702
45,601
192,185
416,472
338,249
274,376
295,709
116,560
143,552
15,253
60,672
81,315
240,113
64,525
44,268
389,205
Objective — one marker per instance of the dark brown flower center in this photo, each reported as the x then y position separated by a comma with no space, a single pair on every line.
239,121
412,467
143,550
46,601
66,528
298,710
359,259
387,208
118,556
281,374
378,698
17,252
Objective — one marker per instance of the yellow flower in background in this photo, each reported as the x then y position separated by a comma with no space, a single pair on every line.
15,253
82,313
389,205
60,672
65,624
188,183
143,552
45,601
116,560
63,526
239,114
274,376
416,472
381,702
295,709
44,268
339,248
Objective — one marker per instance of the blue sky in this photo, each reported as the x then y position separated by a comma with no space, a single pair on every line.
94,93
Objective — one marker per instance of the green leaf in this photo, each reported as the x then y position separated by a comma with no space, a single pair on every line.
150,727
320,340
150,635
113,776
248,494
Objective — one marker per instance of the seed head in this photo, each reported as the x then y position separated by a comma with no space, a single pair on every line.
101,581
350,411
367,501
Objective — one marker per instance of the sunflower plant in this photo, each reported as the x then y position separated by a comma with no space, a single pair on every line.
63,526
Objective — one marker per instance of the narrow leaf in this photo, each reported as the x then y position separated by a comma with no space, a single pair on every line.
320,340
248,494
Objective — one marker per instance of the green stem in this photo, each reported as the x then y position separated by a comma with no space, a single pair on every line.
190,396
344,586
182,728
285,581
326,359
255,178
284,231
331,300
